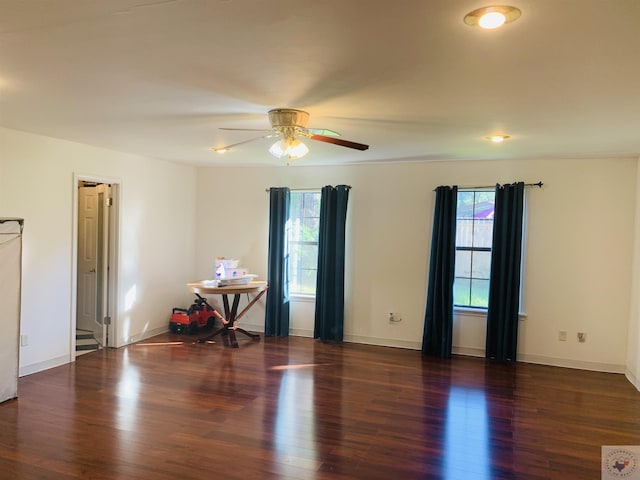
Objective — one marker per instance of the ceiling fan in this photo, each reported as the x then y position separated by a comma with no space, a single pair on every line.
289,125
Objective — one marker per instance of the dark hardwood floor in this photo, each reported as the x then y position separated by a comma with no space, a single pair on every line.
295,408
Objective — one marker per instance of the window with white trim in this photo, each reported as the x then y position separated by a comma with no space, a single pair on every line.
304,214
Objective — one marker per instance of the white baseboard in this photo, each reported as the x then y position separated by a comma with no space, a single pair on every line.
633,379
146,334
252,327
467,351
301,332
479,352
551,361
40,366
383,342
63,360
143,336
365,340
570,363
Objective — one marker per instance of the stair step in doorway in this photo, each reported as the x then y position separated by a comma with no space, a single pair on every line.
85,342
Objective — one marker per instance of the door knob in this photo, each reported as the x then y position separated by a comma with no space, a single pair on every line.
93,270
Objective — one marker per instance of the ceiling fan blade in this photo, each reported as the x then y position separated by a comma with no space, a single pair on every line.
339,141
323,131
229,147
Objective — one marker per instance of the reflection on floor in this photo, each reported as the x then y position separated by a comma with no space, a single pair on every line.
298,409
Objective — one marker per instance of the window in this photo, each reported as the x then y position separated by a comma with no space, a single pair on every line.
304,213
474,236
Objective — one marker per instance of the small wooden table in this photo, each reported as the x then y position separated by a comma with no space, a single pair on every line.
231,315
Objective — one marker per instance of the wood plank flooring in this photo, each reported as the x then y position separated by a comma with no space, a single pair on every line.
294,408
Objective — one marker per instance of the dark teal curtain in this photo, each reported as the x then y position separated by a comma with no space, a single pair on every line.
277,307
504,289
438,322
329,319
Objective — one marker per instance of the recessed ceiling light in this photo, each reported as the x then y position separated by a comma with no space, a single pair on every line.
492,17
498,138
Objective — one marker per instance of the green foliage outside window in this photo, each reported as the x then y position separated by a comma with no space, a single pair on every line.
304,228
474,237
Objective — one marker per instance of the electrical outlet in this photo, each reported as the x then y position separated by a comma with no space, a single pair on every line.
562,335
394,318
582,337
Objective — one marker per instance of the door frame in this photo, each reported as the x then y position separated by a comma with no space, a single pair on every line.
112,273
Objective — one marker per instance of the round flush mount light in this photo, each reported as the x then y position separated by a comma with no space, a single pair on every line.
492,17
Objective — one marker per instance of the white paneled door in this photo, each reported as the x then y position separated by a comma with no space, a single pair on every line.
91,264
10,283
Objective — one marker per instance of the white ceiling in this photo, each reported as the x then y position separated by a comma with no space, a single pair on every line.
408,77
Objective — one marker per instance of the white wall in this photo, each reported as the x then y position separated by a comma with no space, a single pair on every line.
579,245
578,268
157,235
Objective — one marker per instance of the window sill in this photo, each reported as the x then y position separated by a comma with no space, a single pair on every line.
301,297
479,312
471,312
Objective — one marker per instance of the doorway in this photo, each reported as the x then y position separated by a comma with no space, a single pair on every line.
96,220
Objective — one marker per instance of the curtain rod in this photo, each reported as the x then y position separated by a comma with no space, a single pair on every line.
304,189
477,187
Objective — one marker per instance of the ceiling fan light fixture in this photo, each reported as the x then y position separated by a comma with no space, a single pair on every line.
492,17
289,147
288,124
298,151
288,117
278,148
498,138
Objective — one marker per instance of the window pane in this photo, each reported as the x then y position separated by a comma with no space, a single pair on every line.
310,229
479,293
293,266
484,205
295,206
311,203
461,291
465,205
294,254
485,196
295,232
308,256
481,265
463,263
482,233
308,281
464,233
